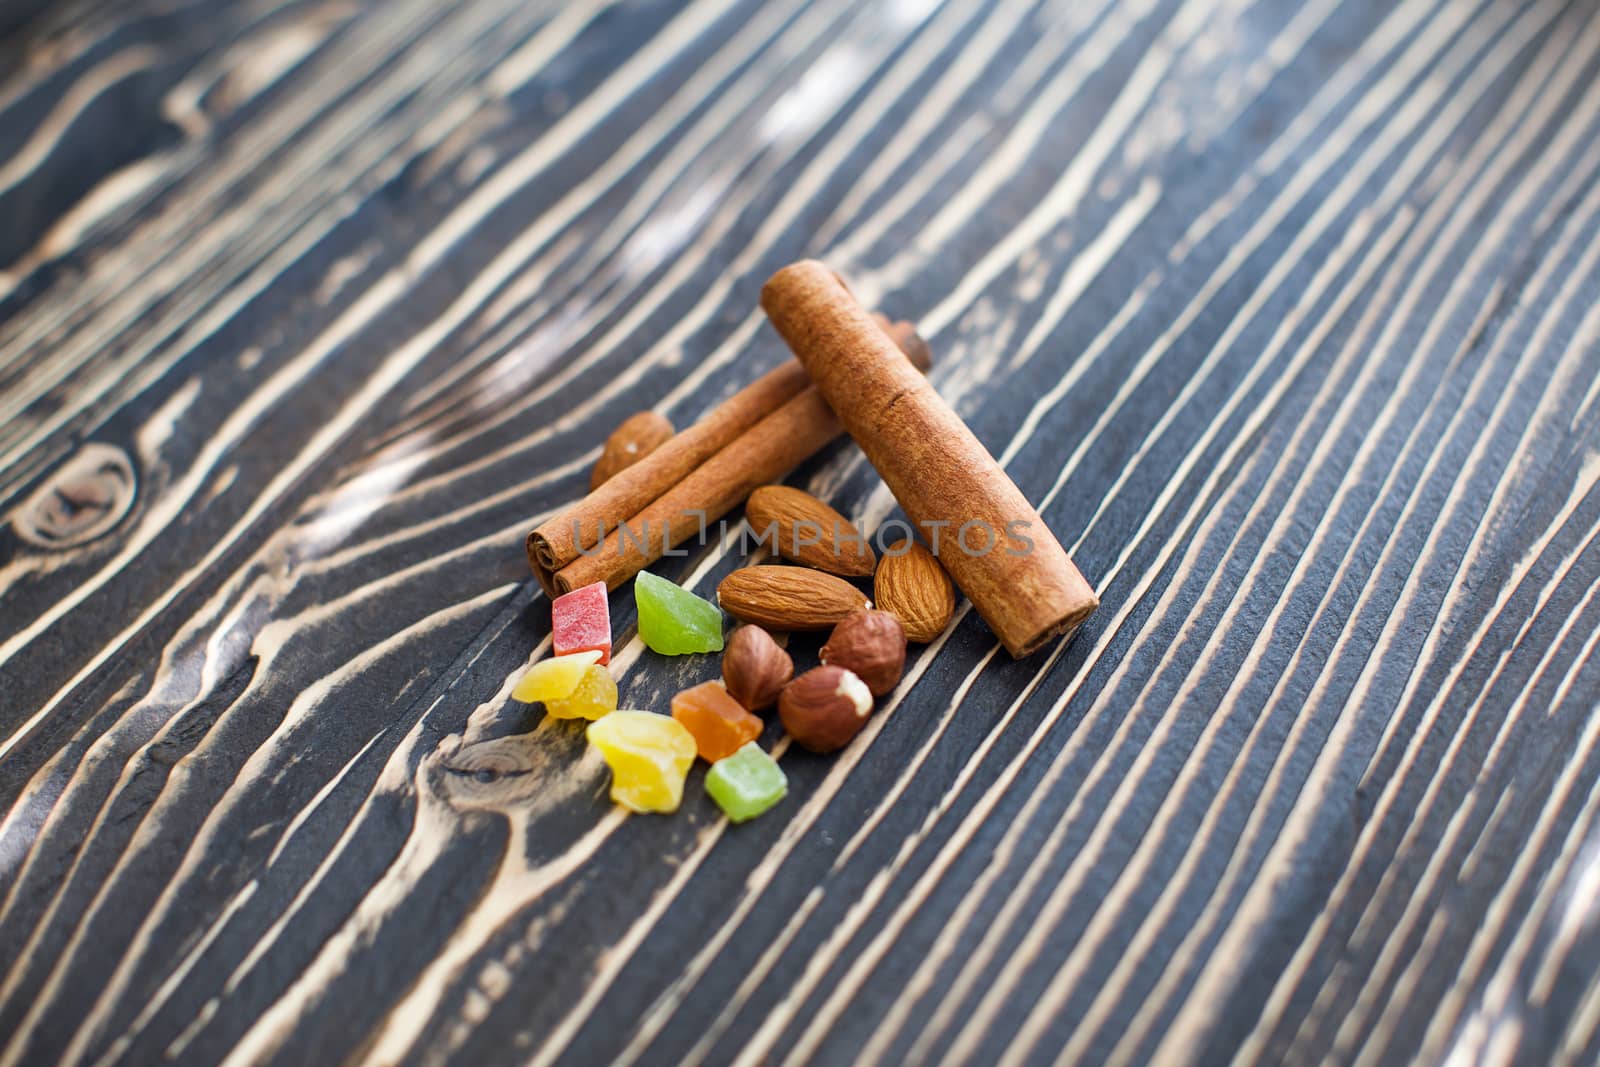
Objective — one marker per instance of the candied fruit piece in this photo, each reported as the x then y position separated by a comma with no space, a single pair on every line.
649,756
747,783
580,621
596,695
674,621
719,723
554,678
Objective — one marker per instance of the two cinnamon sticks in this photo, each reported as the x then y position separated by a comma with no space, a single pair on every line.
856,372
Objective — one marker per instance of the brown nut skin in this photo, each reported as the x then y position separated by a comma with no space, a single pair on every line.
824,708
788,598
639,435
804,530
754,668
873,645
913,587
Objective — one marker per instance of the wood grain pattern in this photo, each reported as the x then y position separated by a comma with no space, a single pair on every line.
1286,315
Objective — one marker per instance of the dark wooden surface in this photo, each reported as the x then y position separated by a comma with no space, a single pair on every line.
1287,314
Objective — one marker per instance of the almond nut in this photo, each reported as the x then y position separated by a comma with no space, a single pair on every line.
871,645
801,528
637,437
913,587
788,598
754,668
824,708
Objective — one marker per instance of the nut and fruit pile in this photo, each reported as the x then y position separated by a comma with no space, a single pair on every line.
822,709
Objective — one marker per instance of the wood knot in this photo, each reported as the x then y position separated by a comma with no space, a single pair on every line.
491,774
84,499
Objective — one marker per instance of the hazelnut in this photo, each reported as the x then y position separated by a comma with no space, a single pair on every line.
824,708
754,668
871,644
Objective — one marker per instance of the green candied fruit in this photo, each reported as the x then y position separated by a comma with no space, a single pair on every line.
747,783
672,620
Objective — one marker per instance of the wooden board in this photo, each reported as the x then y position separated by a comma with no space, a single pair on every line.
1287,315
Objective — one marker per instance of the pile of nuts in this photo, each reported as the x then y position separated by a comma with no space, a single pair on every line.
865,653
822,709
826,706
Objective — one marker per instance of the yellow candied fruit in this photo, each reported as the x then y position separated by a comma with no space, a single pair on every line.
649,756
554,678
595,695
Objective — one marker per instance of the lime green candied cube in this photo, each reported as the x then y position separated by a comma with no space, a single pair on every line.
672,620
747,783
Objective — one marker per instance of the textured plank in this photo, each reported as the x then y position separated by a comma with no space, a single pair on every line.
1287,315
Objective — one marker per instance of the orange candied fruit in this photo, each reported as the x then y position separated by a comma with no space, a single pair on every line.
720,725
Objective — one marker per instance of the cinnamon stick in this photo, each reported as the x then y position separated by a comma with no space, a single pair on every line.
764,453
557,542
1024,586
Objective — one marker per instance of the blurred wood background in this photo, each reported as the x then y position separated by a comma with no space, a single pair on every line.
1288,315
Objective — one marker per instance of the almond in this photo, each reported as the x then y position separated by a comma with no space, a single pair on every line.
913,587
801,528
788,598
637,437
